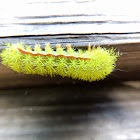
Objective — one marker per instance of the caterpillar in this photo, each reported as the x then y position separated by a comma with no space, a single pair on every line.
92,64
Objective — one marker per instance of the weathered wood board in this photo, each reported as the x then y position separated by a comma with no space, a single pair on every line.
61,108
28,17
106,22
77,22
127,68
73,112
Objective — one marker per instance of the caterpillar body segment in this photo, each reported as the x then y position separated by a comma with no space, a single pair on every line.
91,65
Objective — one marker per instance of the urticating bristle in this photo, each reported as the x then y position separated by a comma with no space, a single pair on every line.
37,48
93,47
68,46
58,46
48,48
47,45
89,48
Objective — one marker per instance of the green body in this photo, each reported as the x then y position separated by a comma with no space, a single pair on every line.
101,63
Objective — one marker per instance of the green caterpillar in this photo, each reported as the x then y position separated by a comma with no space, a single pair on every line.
91,65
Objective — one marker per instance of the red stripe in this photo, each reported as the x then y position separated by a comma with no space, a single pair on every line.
36,54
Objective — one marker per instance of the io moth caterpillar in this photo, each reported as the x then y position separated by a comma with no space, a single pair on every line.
91,65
